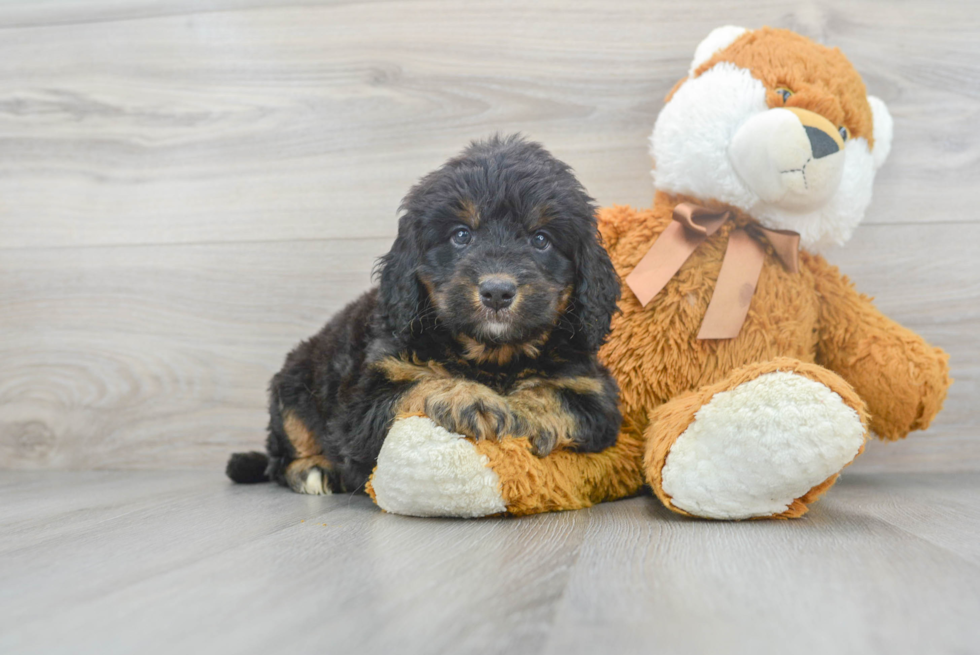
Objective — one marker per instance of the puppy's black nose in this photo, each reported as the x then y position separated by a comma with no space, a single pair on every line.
497,293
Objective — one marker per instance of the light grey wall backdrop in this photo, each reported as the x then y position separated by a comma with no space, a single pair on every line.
188,188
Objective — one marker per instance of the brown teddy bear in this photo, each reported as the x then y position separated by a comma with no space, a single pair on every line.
751,371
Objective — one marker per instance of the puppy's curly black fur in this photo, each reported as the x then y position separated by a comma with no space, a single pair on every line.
492,304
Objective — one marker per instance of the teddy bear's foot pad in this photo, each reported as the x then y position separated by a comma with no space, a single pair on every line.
425,470
753,450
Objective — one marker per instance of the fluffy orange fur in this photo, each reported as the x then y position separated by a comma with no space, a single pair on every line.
821,78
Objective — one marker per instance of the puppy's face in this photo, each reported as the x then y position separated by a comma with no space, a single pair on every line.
499,247
497,271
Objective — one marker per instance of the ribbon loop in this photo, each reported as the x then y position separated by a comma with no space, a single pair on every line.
740,269
692,224
698,219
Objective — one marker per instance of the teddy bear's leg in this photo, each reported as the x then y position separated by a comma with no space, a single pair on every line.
763,443
425,470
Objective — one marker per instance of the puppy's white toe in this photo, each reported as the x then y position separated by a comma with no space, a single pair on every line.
311,481
425,470
314,484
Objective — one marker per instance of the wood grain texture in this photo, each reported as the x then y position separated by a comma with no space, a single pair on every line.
157,356
154,562
187,189
149,123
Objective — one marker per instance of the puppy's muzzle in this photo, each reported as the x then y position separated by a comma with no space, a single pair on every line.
497,293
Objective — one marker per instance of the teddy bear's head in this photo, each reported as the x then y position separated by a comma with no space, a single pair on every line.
778,126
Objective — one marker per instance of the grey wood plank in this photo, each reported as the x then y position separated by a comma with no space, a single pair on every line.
246,120
254,569
945,514
159,356
164,561
842,580
943,447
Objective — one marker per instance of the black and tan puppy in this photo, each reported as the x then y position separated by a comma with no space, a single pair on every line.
491,306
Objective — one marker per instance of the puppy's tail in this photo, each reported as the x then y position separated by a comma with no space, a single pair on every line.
248,468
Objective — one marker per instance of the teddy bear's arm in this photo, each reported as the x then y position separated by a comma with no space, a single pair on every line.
425,470
902,378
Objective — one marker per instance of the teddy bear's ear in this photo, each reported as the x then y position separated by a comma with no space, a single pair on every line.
719,39
882,126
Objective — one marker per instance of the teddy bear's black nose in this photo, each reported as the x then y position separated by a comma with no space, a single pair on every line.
821,143
497,293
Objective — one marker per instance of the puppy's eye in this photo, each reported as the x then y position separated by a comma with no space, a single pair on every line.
540,241
844,132
784,93
462,236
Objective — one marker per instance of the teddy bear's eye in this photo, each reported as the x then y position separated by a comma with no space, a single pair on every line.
784,93
844,133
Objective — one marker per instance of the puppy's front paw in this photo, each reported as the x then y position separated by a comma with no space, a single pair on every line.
309,475
471,412
543,442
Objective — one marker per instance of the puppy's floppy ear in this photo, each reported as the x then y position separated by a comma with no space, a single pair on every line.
399,296
596,292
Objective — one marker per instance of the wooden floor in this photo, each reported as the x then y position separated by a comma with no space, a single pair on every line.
154,562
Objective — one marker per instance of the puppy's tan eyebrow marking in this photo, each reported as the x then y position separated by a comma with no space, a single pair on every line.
468,213
544,216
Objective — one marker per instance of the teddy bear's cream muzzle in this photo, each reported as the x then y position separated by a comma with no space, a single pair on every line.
791,158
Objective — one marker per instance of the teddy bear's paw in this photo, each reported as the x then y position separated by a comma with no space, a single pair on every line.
425,470
752,451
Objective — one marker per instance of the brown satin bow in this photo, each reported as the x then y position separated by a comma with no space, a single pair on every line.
740,268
